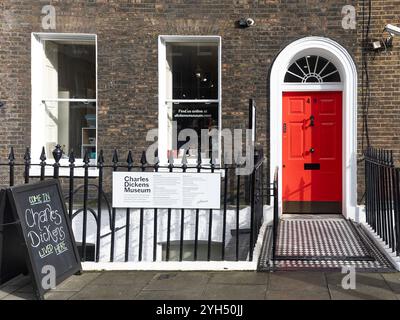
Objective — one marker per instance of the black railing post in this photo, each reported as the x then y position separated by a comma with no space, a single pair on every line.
43,164
85,203
389,199
129,161
396,183
143,162
237,214
367,189
171,168
375,186
184,167
196,228
11,164
113,217
210,216
276,214
71,160
27,165
379,199
252,208
100,167
224,214
155,227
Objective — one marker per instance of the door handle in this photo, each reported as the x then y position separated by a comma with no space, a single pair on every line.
312,150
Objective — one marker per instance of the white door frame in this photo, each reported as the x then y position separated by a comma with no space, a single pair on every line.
339,56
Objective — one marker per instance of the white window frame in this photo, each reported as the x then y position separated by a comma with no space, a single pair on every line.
162,95
38,40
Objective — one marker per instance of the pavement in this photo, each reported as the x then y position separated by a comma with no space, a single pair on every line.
228,285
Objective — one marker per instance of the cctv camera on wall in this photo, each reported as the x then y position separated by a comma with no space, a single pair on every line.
393,30
250,22
245,23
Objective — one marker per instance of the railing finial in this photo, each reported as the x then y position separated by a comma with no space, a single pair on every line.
184,160
57,153
43,155
27,155
143,159
11,156
115,157
100,159
170,159
86,158
71,158
199,157
129,159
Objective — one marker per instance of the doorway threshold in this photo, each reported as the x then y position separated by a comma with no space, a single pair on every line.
321,242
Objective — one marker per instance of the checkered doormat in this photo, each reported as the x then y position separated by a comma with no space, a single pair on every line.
322,243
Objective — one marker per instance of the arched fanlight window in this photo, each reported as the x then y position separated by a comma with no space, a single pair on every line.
312,69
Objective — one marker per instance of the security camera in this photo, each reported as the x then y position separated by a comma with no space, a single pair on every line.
393,30
250,22
245,23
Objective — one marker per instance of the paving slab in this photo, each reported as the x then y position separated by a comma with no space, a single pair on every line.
298,295
297,281
188,281
362,292
236,277
393,281
170,295
19,283
5,291
375,280
230,285
125,278
234,292
59,295
77,282
106,292
20,296
26,289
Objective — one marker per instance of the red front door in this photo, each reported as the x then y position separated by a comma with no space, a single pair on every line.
312,152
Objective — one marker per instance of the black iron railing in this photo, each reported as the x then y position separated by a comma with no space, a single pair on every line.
275,226
89,194
382,196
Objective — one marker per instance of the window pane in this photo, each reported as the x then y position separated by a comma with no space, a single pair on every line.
192,70
71,69
188,251
73,126
312,69
196,116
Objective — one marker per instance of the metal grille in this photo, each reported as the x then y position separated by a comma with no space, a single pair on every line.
312,69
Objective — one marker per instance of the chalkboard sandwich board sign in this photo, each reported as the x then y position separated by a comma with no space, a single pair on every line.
12,257
47,233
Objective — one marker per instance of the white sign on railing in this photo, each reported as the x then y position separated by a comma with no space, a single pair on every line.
175,190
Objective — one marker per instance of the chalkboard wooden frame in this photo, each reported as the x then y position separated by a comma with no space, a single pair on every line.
12,252
3,199
19,215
